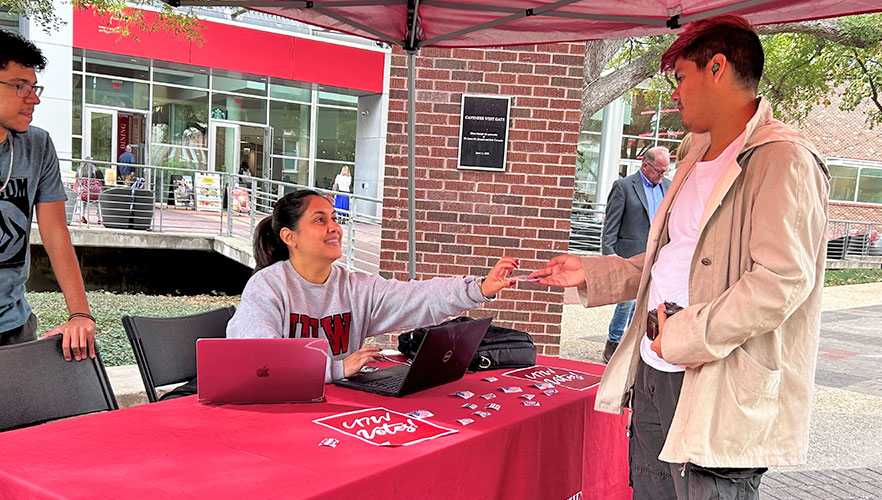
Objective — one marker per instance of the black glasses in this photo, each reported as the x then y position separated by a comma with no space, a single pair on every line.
25,89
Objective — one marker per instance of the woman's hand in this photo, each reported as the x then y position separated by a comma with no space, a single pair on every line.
563,270
355,361
497,278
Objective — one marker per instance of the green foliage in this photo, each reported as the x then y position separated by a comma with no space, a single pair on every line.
125,16
835,277
108,309
802,70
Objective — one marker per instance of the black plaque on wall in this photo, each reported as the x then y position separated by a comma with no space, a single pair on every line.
483,132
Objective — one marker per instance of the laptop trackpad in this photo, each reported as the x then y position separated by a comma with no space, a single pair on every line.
380,374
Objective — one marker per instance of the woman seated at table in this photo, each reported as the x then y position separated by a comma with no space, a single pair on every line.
297,291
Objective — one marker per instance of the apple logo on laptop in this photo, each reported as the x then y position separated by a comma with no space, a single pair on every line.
447,356
263,372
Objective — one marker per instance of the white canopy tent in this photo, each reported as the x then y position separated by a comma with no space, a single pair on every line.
413,24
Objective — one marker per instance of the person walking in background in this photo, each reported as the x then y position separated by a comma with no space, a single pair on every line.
126,172
88,185
343,183
719,363
30,182
630,208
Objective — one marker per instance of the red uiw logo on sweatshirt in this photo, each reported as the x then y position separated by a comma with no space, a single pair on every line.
335,328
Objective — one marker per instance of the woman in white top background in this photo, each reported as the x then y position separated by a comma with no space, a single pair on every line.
343,183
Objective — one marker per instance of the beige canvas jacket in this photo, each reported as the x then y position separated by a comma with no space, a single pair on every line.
749,338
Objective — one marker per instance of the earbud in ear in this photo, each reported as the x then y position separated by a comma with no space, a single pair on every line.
715,68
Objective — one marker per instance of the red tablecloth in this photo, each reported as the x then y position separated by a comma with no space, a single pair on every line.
181,449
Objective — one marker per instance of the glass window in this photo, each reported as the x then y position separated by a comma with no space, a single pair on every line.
639,115
670,124
8,20
125,69
843,182
635,148
240,86
294,171
338,99
77,62
335,137
77,95
326,172
117,93
870,185
587,165
180,116
187,78
237,108
76,147
290,93
595,123
290,123
165,155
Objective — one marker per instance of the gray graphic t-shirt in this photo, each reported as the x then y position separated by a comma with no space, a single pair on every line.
35,179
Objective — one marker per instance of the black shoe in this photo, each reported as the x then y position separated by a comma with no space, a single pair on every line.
609,350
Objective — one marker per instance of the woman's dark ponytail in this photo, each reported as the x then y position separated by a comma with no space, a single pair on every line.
268,245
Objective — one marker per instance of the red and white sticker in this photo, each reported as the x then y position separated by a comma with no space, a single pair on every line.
383,427
563,377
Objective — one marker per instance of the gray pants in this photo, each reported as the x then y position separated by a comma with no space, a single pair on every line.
655,399
25,333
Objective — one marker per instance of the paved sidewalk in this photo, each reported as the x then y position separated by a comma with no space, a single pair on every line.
845,457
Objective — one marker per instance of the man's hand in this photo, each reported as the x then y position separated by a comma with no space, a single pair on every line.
563,270
656,344
497,278
355,361
79,337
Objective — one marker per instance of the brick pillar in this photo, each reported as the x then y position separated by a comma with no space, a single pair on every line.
466,219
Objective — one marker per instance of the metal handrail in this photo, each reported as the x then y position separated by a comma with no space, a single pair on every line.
159,202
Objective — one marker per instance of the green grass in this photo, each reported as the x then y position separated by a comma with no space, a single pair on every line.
835,277
108,309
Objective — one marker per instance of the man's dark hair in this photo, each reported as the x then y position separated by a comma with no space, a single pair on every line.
15,48
730,35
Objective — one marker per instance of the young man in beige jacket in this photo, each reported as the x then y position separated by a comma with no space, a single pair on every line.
721,389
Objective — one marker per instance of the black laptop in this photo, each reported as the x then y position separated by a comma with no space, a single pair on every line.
443,357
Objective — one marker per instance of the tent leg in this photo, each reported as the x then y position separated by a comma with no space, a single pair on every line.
411,195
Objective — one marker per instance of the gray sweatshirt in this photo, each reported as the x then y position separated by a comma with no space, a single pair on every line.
350,306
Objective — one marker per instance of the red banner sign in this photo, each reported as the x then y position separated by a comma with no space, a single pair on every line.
383,427
571,379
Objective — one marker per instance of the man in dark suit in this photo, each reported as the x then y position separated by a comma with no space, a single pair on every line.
630,207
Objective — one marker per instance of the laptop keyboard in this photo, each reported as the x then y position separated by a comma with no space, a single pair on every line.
392,383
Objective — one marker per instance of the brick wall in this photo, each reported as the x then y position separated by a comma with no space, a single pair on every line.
842,134
465,219
838,210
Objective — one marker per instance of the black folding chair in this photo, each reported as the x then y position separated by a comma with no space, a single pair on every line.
38,385
165,348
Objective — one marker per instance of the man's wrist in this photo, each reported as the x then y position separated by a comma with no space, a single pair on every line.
81,315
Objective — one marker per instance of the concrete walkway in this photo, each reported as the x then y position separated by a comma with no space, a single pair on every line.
845,459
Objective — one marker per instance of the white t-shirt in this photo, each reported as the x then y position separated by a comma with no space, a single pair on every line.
343,182
670,273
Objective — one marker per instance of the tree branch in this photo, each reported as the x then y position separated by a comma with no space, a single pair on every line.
874,93
604,89
828,29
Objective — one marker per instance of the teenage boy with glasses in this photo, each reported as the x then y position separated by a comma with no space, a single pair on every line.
30,181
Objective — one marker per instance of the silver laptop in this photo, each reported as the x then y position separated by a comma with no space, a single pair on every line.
261,370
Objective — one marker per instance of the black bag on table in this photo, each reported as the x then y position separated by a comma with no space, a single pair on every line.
500,347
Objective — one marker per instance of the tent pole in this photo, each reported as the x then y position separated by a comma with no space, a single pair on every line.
411,196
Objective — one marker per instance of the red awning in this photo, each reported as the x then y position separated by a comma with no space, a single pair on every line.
481,23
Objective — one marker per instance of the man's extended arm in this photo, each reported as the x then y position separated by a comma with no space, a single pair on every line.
615,208
79,333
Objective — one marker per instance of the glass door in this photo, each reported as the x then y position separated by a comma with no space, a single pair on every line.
100,134
224,156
